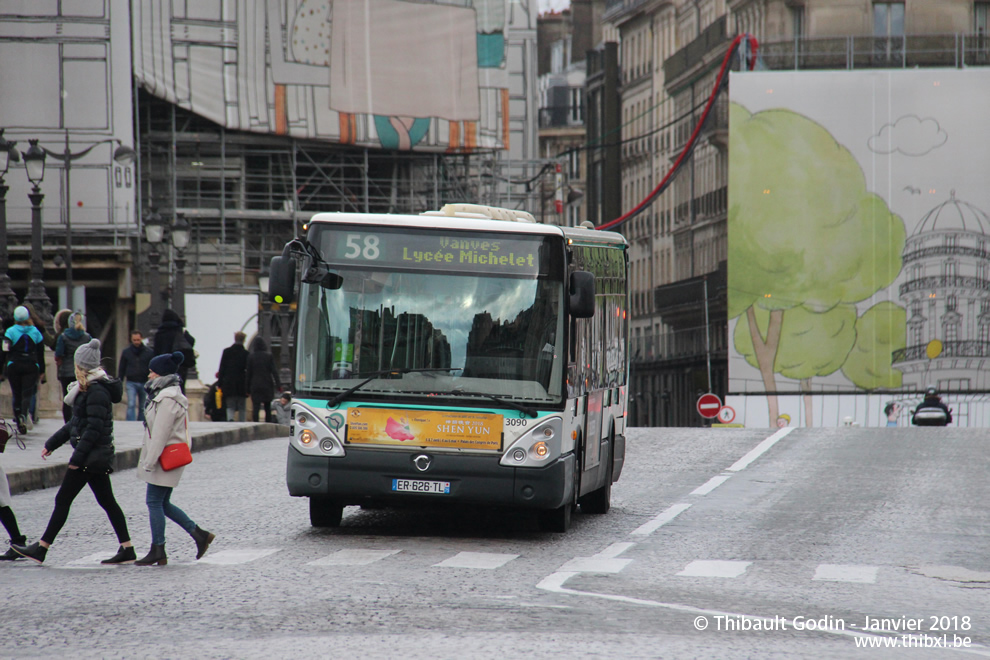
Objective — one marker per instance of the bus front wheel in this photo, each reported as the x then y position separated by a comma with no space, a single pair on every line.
324,512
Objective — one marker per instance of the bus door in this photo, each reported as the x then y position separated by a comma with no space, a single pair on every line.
593,430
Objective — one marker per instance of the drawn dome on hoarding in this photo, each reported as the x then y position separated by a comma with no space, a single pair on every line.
946,292
954,215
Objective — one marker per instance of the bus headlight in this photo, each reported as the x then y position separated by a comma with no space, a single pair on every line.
312,436
538,447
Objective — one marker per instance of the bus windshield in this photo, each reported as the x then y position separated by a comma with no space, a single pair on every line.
432,328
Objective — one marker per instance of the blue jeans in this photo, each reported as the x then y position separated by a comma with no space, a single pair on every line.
159,507
136,396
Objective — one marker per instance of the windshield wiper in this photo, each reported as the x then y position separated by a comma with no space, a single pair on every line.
523,408
377,374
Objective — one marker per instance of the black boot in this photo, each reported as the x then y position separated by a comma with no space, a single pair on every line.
203,540
11,555
155,556
35,551
123,556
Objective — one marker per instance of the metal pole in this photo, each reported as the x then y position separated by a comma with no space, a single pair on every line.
7,298
36,290
179,298
156,290
708,345
69,296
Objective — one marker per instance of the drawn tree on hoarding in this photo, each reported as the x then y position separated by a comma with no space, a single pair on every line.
803,229
810,344
884,330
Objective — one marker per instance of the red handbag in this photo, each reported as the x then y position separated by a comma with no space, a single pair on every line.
174,456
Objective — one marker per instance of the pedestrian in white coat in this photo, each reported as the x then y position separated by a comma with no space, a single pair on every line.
167,423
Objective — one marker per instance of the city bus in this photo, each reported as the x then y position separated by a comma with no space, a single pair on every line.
468,355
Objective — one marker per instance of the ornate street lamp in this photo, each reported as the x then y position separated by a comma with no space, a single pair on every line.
180,239
8,301
154,230
34,163
122,154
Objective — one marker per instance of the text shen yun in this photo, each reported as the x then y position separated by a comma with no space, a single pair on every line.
462,427
489,258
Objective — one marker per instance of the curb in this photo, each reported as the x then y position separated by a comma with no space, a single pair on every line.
51,475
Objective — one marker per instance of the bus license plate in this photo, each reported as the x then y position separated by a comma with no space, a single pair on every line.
417,486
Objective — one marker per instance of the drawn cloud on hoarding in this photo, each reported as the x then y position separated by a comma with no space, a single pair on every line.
909,135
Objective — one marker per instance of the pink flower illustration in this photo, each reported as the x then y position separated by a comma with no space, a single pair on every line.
398,431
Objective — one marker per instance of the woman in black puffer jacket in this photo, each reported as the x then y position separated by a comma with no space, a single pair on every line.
90,431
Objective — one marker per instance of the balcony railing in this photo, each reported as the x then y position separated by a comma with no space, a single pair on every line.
690,343
867,52
950,349
946,251
561,116
944,282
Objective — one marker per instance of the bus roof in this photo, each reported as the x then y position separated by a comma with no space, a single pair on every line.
474,222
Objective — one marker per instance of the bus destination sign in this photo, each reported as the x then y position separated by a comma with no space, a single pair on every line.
432,251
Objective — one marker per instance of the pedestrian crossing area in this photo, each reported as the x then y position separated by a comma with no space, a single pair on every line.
608,562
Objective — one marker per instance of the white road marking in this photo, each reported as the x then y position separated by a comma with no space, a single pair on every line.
231,557
594,565
614,550
649,527
759,449
352,557
711,484
555,583
714,568
483,560
88,562
846,573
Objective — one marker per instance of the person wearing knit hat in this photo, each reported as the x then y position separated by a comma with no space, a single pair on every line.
167,419
90,432
72,335
24,363
167,364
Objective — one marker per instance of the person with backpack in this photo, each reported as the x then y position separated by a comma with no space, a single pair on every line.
72,337
90,432
24,363
172,336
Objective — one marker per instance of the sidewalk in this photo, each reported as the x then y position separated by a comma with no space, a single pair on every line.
26,470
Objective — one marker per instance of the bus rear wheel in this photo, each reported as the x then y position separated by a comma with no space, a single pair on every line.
324,512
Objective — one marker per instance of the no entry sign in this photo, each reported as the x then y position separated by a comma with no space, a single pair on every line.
709,405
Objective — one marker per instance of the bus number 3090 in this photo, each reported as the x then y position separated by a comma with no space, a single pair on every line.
516,422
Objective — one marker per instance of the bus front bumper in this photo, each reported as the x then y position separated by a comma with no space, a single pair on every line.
366,476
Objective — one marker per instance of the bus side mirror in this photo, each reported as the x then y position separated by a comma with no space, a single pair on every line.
581,299
282,280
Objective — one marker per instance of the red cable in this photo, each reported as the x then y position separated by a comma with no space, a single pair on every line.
694,135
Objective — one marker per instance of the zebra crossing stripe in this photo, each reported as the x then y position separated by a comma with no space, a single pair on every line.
352,557
482,560
846,573
710,568
232,557
88,562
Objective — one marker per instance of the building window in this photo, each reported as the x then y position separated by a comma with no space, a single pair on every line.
981,14
888,19
951,303
888,28
797,21
951,269
951,332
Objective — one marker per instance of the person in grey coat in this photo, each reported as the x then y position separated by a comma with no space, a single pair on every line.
167,423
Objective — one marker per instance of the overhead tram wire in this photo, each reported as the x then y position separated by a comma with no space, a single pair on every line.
720,82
